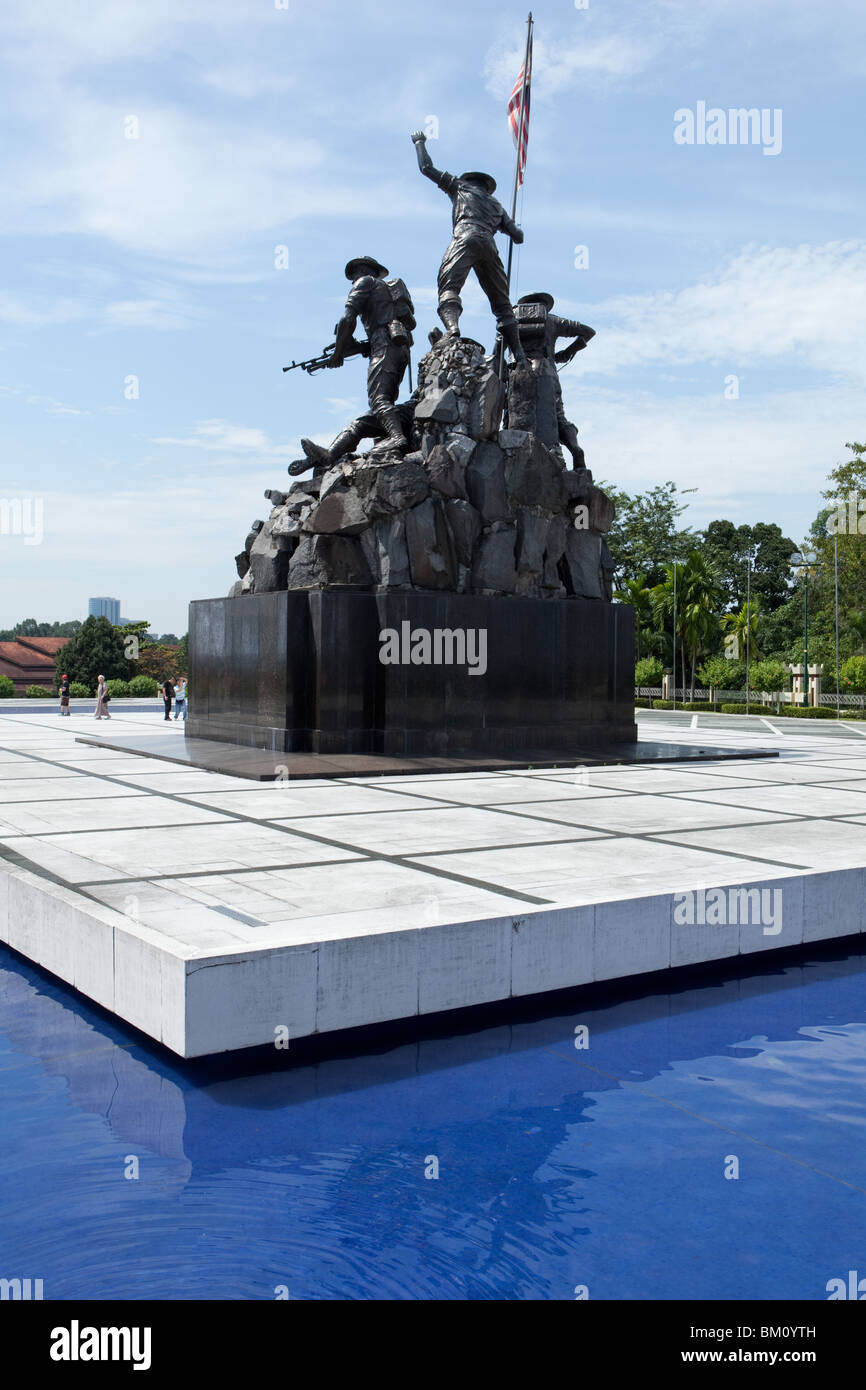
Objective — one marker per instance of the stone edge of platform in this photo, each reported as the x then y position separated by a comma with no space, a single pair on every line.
198,1005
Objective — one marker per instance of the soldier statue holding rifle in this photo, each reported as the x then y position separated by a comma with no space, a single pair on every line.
386,311
477,217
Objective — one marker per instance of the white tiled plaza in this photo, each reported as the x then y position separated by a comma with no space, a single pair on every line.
210,911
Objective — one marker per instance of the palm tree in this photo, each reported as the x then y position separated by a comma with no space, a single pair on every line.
745,622
635,592
702,599
698,597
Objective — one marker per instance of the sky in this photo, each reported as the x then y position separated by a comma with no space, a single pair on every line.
157,154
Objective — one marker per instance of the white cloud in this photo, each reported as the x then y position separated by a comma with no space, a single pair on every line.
247,81
148,313
779,446
804,304
14,309
218,436
557,66
185,188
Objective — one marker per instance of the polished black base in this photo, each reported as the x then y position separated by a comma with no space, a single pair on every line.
236,760
302,672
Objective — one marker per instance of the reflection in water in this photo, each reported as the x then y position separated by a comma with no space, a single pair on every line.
556,1166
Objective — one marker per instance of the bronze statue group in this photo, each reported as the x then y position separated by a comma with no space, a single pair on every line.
529,329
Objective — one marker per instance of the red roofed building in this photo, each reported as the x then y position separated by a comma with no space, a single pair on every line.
30,661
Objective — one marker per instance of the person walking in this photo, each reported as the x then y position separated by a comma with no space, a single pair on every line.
167,695
180,699
64,695
101,699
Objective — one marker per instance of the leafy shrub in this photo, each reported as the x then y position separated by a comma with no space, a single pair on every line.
648,671
852,676
722,674
697,705
37,692
7,688
118,690
78,690
738,709
810,712
641,703
664,704
142,686
768,677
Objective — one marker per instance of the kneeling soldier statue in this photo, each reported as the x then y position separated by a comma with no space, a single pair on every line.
386,311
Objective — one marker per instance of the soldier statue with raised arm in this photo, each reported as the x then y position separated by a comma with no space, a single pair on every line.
477,217
385,309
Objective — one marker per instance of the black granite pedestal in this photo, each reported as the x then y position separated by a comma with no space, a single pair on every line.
343,672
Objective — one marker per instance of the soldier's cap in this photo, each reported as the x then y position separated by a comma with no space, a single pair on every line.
487,179
353,267
542,297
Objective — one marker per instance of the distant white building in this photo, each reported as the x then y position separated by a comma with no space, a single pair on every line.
105,608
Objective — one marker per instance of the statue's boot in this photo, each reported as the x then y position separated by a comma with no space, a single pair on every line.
568,436
395,441
449,313
320,457
511,338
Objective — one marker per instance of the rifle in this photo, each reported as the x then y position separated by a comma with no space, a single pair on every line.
318,364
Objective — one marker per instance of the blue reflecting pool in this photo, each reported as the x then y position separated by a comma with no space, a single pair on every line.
559,1167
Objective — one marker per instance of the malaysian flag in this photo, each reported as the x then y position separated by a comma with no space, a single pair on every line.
518,112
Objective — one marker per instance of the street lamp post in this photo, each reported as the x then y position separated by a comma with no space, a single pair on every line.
748,632
806,638
836,584
803,561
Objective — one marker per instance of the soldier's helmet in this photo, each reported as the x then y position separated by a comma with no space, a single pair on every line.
364,265
541,297
487,181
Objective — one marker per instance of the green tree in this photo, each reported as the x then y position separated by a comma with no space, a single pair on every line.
855,624
733,549
720,673
832,535
744,625
645,538
30,628
635,592
648,671
694,587
96,649
852,677
769,677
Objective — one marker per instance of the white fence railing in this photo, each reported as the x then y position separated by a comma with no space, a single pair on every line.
754,697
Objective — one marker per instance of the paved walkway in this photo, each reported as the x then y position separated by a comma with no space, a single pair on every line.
205,864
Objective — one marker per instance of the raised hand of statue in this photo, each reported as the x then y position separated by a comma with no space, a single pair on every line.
418,137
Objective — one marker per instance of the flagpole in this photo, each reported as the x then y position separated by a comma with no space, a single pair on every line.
520,132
